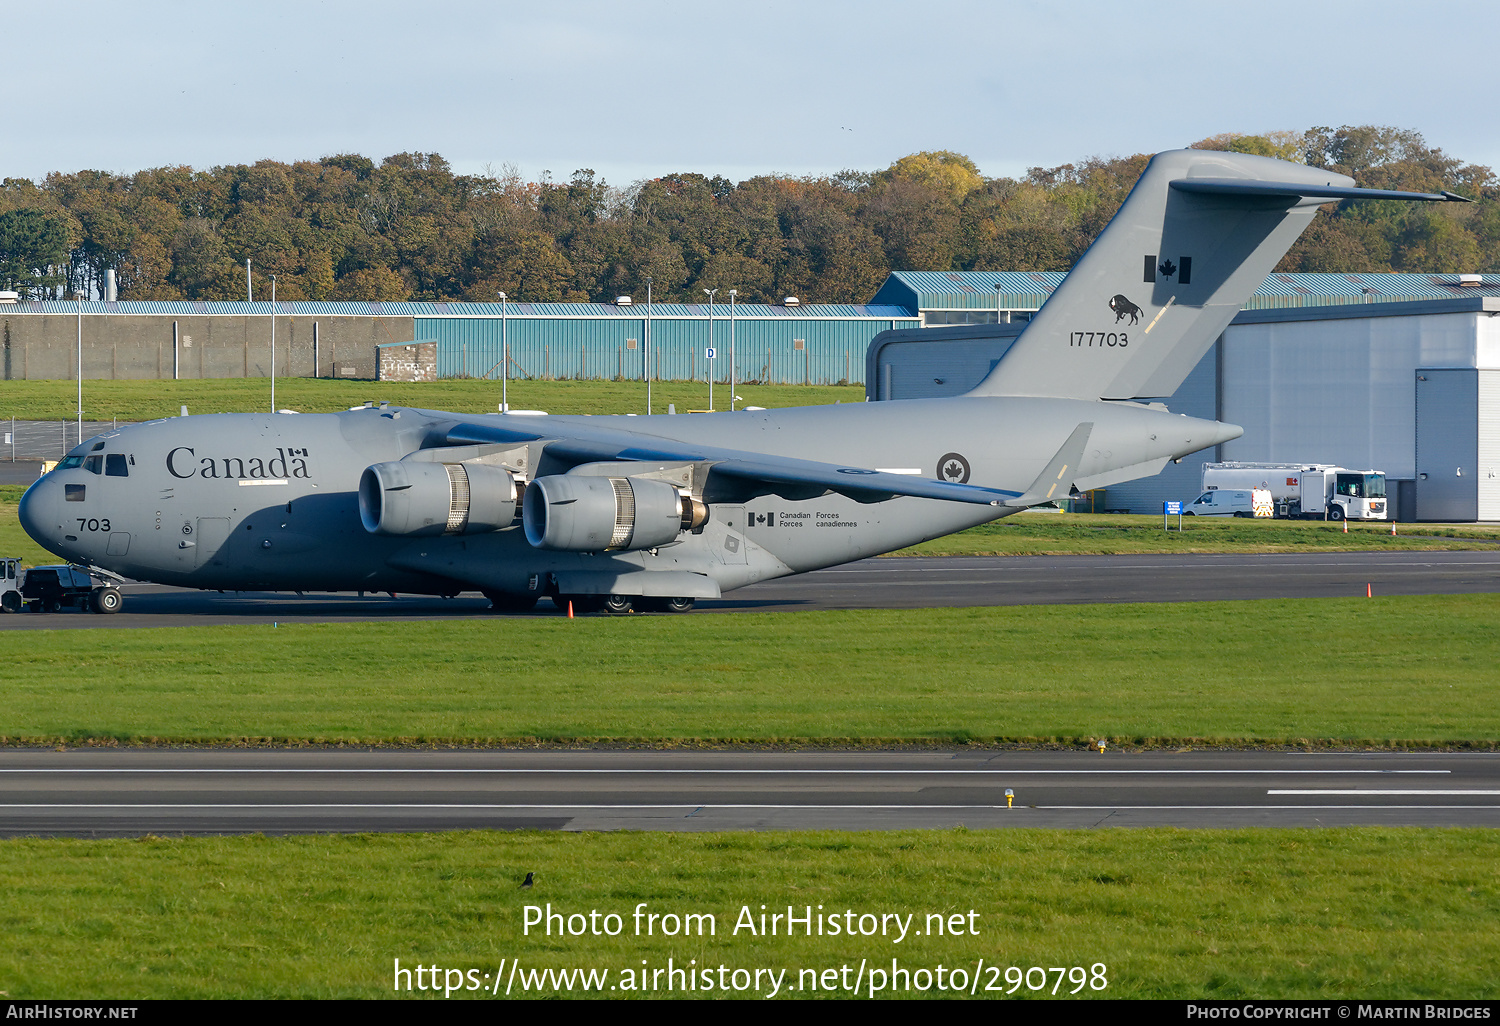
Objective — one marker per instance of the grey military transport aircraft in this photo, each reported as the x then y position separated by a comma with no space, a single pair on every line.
653,512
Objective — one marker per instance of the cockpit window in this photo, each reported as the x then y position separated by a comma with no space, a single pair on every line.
114,465
69,462
93,464
96,447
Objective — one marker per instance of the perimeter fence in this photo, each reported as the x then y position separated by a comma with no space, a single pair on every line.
48,439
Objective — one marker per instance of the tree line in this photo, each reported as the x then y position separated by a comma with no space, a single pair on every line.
345,227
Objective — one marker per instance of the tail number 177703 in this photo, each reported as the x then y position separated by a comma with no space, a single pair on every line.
1090,339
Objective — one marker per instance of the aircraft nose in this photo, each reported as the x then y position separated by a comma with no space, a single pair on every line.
39,512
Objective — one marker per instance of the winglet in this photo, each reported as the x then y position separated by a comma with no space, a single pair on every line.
1055,481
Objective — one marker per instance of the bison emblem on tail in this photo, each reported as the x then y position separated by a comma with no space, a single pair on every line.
1122,306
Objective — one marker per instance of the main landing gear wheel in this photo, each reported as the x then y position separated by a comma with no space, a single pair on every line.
666,605
619,605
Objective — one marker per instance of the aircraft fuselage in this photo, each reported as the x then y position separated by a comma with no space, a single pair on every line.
270,502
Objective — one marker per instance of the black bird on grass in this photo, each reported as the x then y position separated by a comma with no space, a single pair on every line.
526,883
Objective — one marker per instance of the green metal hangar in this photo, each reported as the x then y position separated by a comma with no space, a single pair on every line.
787,343
1391,372
790,343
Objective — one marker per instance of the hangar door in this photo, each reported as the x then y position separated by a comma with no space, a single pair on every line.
1447,444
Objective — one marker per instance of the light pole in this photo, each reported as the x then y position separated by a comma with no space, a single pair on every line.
708,364
79,297
273,343
732,294
504,357
646,370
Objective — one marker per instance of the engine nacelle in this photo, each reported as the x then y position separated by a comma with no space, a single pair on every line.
418,498
581,513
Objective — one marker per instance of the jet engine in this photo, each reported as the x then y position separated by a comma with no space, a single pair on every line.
582,513
420,498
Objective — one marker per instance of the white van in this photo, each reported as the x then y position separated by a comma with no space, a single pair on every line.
1222,502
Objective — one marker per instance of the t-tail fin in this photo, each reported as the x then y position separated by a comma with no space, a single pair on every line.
1194,239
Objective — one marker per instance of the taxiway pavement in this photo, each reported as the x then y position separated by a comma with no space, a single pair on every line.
882,583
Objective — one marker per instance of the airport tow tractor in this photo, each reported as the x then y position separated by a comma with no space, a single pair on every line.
47,589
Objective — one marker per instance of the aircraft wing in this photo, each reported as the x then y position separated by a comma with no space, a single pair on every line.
587,443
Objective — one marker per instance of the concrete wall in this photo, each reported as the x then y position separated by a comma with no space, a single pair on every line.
416,362
139,346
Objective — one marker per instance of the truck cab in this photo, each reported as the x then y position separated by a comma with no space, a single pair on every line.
1358,496
10,585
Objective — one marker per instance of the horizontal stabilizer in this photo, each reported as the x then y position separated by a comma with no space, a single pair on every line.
1300,190
1056,481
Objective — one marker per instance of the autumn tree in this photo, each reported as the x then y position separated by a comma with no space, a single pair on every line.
33,251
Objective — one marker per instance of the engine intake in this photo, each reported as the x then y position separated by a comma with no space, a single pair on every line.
416,498
581,513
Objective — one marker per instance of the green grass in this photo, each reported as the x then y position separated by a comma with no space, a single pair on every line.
1416,670
146,400
1341,913
1050,532
13,540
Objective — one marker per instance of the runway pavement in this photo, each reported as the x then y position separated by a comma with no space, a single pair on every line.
129,793
884,583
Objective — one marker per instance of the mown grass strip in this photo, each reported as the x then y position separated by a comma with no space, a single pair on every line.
1343,913
1418,670
147,400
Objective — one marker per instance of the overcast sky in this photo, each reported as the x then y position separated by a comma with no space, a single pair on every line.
639,90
